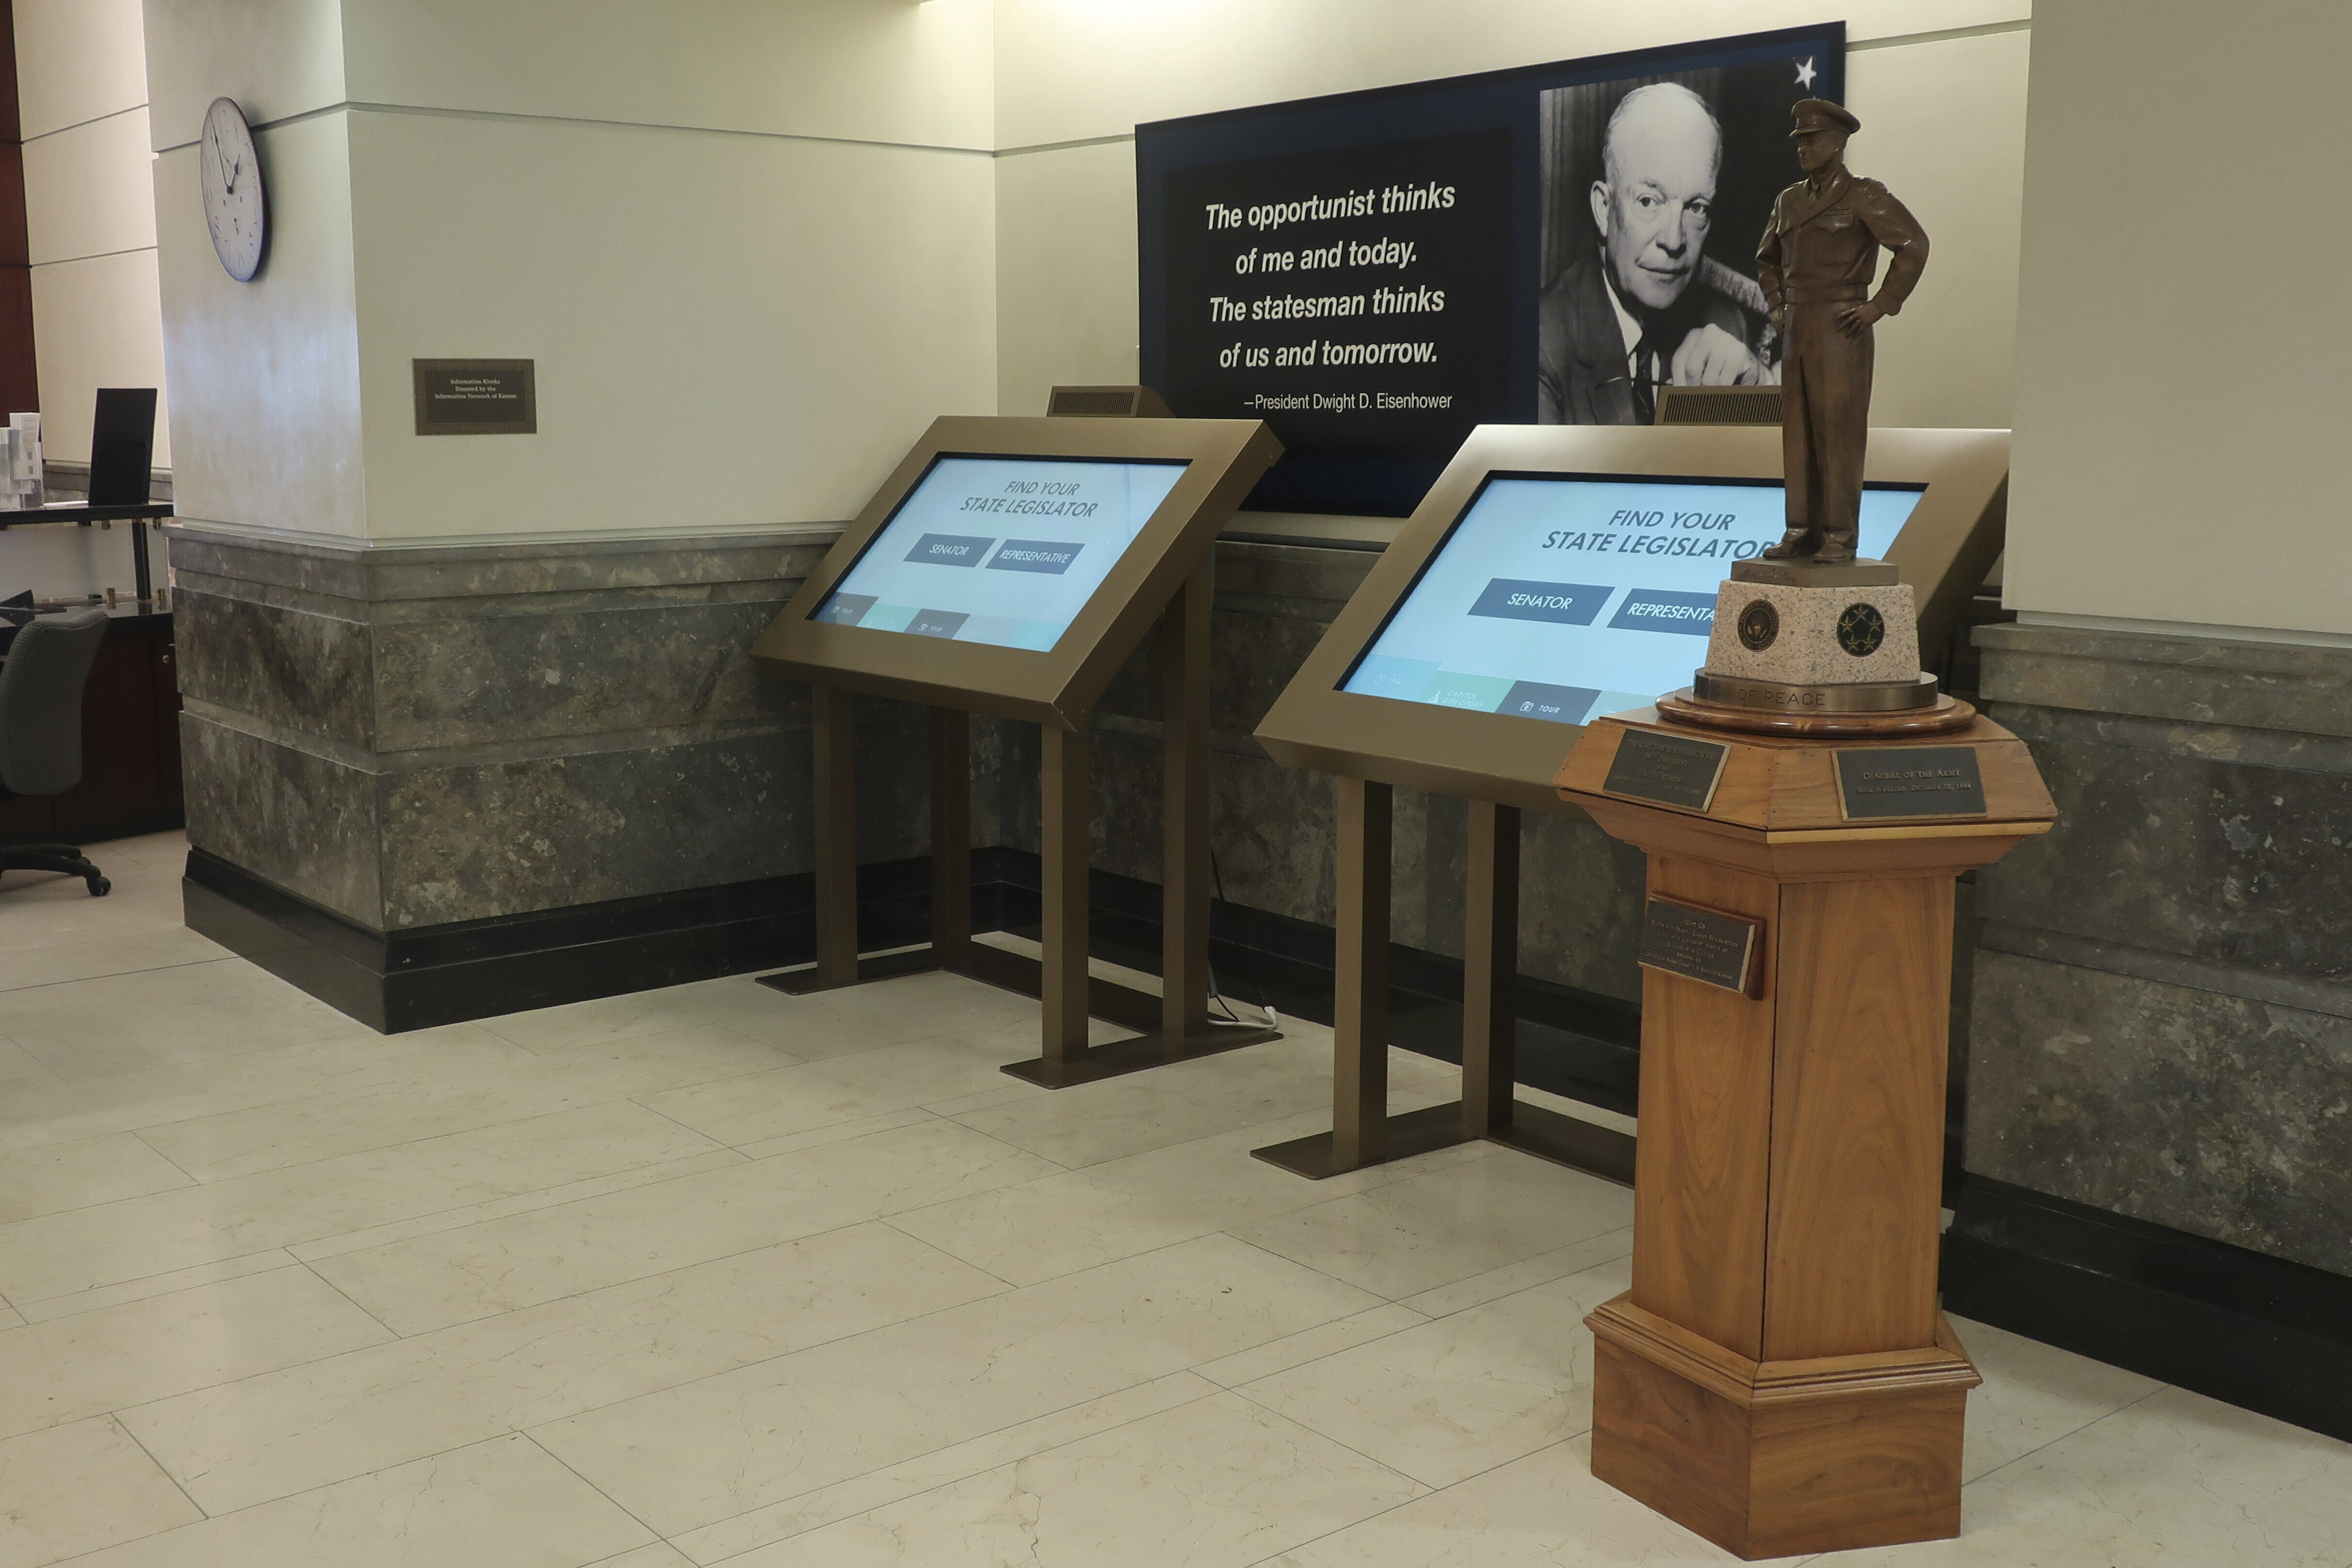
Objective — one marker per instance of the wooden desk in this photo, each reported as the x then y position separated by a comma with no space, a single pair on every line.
129,742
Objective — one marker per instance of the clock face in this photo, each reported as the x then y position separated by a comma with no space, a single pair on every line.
234,208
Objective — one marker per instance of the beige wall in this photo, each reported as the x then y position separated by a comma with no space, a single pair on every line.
747,245
755,248
2182,398
1939,85
88,212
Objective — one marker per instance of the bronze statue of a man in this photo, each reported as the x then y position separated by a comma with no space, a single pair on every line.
1816,263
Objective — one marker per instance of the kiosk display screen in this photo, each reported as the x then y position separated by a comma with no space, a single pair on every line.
1003,550
1559,596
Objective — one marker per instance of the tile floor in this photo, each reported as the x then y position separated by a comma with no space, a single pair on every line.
716,1275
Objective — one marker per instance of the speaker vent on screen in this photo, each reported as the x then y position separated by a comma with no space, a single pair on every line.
1720,406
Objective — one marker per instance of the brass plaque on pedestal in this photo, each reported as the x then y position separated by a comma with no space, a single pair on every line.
1909,781
1699,943
1666,768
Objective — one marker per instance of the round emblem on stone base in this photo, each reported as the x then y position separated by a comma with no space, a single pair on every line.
1758,624
1860,630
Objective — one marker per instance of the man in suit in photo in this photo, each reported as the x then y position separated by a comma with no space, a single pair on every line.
1648,308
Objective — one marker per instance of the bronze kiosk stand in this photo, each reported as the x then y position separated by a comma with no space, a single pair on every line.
1505,765
1778,1378
1159,585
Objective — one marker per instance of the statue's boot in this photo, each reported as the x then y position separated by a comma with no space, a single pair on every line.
1835,548
1796,545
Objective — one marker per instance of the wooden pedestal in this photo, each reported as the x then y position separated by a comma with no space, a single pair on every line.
1779,1379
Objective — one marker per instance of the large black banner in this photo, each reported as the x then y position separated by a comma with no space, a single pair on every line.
1376,273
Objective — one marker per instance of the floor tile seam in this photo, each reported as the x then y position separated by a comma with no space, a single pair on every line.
2015,1460
1506,1295
512,1198
138,1136
1211,1392
600,1491
596,1104
715,1140
937,1311
175,1121
1316,1360
409,1087
768,1245
8,989
955,1480
920,1115
346,1295
1337,1441
120,1426
288,1258
1322,1273
887,1222
328,1236
1464,1482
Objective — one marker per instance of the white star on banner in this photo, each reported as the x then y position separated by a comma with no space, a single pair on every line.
1805,72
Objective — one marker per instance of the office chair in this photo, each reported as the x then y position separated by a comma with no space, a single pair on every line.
40,729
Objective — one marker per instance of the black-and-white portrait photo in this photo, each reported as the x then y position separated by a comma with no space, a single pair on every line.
1655,191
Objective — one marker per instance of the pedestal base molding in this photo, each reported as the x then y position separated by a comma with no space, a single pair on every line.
1780,1458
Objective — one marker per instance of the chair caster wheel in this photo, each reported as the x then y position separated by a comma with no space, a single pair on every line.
100,887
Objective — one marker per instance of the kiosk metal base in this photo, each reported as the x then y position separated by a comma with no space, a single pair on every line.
1546,1135
1172,1028
810,979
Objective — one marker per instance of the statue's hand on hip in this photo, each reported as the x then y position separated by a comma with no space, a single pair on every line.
1711,357
1854,320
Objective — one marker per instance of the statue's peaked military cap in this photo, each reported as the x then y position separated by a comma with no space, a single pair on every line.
1821,114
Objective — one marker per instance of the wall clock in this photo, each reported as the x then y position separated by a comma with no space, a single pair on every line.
234,208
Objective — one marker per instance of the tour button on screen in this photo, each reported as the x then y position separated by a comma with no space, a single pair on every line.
1559,705
937,622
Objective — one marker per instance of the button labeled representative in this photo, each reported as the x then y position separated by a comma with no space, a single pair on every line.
949,550
1568,603
1655,609
1034,555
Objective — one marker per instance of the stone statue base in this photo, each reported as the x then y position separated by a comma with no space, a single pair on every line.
1828,650
1808,636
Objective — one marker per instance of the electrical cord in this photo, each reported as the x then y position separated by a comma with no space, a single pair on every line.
1234,1019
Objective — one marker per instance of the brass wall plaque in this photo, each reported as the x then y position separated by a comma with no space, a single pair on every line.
1669,769
475,397
1700,945
1909,781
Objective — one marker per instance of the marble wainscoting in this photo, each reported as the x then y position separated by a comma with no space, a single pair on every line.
2159,1083
545,767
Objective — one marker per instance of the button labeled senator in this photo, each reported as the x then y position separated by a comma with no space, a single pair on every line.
1515,599
949,550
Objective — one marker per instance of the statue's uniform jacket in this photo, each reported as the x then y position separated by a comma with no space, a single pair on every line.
1819,252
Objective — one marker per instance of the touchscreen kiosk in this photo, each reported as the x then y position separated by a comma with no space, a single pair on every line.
1551,576
1606,579
1010,567
1554,574
1041,547
1003,550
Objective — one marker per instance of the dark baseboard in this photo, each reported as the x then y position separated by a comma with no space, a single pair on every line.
480,968
2241,1326
1570,1042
